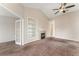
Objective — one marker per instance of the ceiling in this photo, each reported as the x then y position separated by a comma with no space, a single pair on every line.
47,8
4,12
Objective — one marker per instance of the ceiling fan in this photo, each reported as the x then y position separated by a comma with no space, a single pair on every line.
63,8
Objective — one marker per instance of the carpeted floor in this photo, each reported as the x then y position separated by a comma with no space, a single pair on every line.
46,47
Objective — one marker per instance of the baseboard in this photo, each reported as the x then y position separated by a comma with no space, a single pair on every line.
8,41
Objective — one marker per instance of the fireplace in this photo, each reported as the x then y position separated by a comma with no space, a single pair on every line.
42,35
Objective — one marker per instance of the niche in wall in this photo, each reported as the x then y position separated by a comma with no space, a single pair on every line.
29,30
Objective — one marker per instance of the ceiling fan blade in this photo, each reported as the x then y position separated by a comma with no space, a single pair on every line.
55,9
70,6
62,5
56,12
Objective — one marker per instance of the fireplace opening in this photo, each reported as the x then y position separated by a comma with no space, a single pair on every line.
42,35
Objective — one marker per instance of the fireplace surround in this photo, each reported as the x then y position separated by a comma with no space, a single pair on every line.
42,35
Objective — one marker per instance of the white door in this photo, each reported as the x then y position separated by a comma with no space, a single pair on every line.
18,32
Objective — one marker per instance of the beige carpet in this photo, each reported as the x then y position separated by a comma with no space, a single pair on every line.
45,47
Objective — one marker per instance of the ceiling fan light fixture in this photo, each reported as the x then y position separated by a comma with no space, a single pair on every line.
61,10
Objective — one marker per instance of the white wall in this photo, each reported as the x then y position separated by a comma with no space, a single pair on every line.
24,12
67,26
7,29
43,22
